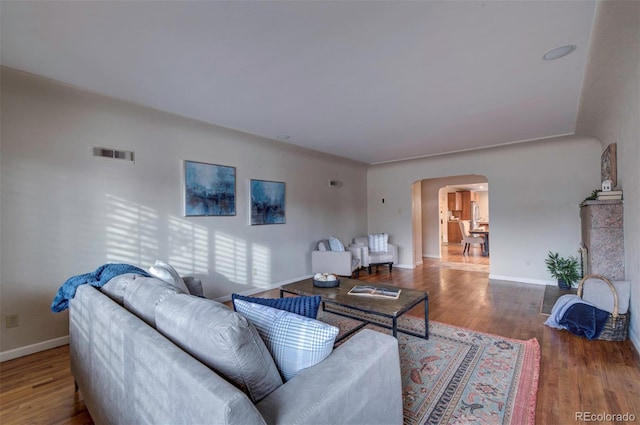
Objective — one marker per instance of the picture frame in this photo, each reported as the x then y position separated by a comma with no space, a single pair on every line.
267,202
609,165
209,189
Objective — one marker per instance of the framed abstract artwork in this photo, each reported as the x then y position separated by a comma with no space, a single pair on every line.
608,165
267,202
209,189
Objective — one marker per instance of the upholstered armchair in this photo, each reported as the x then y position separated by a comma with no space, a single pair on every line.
331,256
376,251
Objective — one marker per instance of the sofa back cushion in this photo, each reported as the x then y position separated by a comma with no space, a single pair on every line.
222,339
116,287
144,293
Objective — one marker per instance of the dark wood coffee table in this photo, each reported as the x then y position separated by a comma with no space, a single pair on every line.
376,306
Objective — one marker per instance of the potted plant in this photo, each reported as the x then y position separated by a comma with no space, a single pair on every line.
563,269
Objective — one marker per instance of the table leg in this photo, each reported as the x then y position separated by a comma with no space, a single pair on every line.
485,251
395,327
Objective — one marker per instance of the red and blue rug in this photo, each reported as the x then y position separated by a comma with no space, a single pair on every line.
460,376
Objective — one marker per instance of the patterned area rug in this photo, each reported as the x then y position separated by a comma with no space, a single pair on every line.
460,376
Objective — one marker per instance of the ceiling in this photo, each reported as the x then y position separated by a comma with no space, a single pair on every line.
373,81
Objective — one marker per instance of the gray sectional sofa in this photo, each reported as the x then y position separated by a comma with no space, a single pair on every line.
140,351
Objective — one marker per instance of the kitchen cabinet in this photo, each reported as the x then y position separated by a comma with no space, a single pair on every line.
453,232
466,205
454,201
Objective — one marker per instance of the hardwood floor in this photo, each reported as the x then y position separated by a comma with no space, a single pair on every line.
576,375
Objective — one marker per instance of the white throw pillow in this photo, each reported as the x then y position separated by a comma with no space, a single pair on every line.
598,293
295,342
336,245
167,273
379,242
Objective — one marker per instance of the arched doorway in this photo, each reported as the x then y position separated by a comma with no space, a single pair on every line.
431,214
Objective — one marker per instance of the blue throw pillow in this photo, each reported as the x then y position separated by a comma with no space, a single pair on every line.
304,306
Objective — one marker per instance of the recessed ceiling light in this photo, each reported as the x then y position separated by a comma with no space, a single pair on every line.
283,137
559,52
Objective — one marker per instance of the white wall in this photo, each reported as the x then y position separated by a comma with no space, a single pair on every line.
535,189
65,213
610,111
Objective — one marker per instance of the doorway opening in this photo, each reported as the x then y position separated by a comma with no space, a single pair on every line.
442,208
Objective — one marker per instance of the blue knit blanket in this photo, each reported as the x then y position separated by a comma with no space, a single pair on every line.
577,316
97,278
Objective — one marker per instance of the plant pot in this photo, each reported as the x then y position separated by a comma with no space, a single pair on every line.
563,285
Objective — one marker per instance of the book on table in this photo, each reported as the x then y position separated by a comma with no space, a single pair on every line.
375,291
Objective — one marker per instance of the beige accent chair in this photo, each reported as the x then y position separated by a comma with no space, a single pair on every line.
467,239
376,256
346,262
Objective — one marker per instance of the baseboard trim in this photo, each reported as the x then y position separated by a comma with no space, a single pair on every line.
33,348
404,266
522,280
436,257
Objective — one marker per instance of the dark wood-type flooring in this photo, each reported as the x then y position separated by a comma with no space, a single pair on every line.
576,375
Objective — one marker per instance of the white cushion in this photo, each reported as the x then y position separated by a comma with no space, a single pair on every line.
378,242
295,342
222,339
166,272
598,293
336,245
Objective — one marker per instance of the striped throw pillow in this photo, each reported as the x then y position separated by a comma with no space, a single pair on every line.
379,242
295,342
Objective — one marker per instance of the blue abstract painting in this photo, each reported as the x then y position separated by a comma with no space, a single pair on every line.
267,202
210,189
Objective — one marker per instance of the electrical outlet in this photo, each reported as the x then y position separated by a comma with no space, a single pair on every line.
11,321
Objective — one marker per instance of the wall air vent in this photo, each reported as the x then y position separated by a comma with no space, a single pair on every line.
111,153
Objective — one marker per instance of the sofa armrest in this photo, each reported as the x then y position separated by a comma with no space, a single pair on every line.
360,252
331,262
358,383
194,285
